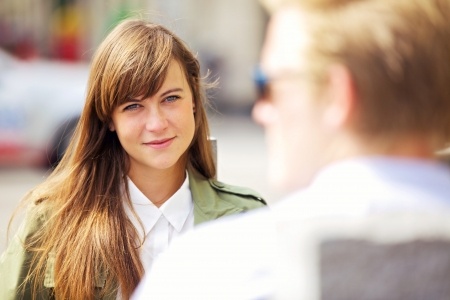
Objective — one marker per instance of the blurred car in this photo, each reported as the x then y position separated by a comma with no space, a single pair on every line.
40,104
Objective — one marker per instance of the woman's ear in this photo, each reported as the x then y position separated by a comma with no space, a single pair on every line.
111,126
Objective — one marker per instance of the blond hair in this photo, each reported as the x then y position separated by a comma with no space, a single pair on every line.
398,52
87,229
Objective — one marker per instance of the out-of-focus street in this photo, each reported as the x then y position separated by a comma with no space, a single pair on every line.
241,161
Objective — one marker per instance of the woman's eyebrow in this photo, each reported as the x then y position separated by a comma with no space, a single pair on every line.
171,91
131,99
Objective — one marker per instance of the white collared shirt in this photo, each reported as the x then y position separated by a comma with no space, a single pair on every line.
161,225
238,253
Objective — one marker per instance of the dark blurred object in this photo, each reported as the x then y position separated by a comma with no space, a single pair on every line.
391,256
40,101
360,269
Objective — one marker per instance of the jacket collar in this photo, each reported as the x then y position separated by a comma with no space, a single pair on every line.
208,205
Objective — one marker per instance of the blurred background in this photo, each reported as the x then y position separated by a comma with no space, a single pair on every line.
227,35
45,51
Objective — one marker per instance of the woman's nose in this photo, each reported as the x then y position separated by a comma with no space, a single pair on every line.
156,120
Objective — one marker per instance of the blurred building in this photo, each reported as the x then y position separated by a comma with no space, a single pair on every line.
226,34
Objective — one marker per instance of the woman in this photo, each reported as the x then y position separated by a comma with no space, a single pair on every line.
138,172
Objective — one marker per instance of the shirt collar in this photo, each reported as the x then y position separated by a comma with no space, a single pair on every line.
176,209
147,212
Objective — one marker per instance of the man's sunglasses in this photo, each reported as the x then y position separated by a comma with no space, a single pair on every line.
262,80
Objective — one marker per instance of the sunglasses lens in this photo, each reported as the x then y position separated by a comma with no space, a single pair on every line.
260,82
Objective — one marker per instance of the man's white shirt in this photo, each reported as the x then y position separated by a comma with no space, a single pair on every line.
234,258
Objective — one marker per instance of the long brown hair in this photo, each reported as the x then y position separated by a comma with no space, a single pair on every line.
86,228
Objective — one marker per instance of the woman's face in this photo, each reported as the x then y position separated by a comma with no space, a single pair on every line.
156,131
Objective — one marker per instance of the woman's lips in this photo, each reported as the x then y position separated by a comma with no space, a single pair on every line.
160,144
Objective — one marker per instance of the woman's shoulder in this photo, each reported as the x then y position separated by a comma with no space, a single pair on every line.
210,190
235,190
36,214
214,199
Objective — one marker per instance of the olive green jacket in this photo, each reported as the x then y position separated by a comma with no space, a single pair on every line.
212,199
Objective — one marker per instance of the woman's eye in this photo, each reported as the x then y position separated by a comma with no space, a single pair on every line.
171,98
131,107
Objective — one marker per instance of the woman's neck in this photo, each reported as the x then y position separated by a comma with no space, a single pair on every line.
159,185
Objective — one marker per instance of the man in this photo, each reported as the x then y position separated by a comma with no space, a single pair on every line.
355,104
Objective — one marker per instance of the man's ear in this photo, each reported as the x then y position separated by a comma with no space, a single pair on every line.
341,98
111,126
